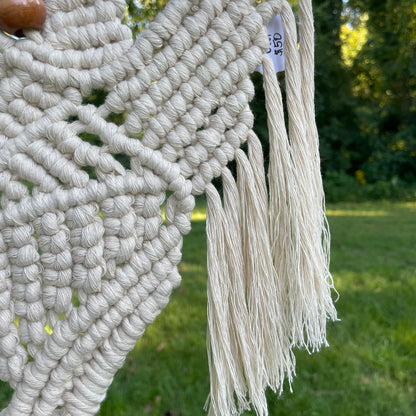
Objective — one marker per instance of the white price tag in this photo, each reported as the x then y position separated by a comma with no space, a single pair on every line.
276,44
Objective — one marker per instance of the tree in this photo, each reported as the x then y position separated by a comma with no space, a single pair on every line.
384,74
335,115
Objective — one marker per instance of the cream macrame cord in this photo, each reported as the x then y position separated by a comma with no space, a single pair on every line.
87,260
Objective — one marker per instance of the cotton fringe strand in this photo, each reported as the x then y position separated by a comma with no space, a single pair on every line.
269,285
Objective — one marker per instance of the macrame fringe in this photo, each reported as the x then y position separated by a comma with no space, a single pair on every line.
307,279
248,350
223,344
264,296
269,285
298,234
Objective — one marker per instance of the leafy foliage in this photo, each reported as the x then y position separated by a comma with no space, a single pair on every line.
384,84
341,149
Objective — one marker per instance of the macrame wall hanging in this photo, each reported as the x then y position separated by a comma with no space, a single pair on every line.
87,260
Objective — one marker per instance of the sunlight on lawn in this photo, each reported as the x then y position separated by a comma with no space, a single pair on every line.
383,209
341,210
355,213
199,215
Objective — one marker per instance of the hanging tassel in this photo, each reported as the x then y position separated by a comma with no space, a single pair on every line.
297,216
225,376
284,233
242,334
264,297
248,351
235,368
269,285
307,52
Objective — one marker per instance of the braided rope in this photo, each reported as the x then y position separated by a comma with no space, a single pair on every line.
87,259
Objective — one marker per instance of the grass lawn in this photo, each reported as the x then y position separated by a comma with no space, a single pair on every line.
369,368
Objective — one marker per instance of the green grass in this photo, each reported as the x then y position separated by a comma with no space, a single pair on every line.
369,368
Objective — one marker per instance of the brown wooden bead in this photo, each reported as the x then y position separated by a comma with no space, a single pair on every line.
16,15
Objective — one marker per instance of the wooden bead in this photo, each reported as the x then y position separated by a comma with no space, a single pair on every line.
16,15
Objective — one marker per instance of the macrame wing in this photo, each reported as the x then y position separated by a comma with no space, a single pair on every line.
87,258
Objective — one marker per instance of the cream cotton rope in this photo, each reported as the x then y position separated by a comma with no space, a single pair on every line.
87,260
